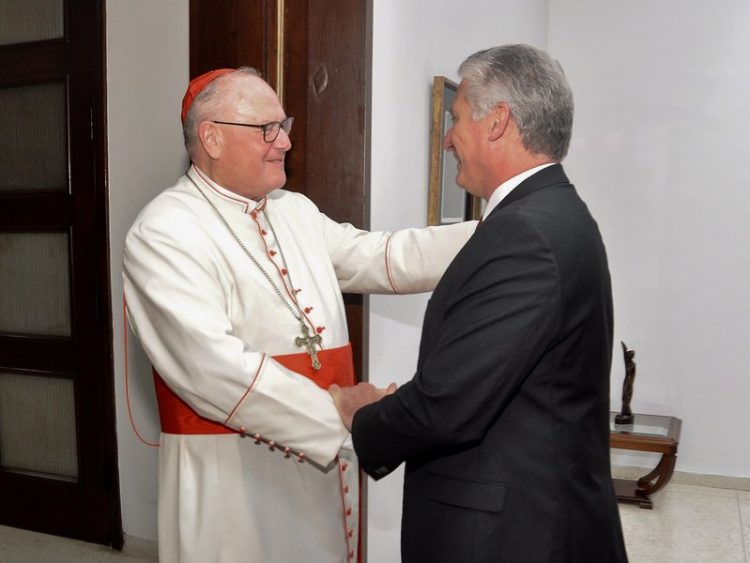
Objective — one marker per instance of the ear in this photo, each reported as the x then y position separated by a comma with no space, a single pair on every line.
210,138
499,120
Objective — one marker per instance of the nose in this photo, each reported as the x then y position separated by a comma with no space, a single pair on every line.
283,142
448,140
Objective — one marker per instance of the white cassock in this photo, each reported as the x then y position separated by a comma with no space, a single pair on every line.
210,321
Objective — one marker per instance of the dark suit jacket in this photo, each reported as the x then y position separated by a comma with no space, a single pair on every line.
505,426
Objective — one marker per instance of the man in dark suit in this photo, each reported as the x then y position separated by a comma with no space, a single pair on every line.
504,426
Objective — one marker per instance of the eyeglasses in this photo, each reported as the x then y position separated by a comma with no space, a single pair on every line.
270,129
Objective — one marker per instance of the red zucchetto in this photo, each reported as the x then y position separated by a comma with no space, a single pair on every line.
197,84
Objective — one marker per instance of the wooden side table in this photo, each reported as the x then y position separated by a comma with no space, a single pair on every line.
647,433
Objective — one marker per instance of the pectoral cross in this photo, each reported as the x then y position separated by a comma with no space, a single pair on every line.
309,343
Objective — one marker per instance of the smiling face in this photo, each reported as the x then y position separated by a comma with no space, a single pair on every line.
468,140
241,161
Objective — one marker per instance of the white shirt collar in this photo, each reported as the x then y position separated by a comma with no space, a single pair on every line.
506,187
247,205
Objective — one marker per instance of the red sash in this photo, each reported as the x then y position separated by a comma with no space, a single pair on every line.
177,417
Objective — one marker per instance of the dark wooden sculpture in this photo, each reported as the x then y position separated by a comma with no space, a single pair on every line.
625,416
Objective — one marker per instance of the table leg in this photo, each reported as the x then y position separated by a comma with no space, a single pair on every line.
627,491
638,492
659,477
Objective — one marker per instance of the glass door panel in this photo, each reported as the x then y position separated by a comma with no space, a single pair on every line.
33,144
35,284
22,21
37,425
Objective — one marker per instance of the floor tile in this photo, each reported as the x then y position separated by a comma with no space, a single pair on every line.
688,524
22,546
743,498
700,491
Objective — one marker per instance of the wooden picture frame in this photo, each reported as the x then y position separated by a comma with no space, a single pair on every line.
447,201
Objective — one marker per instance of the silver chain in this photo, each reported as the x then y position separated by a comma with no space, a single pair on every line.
297,313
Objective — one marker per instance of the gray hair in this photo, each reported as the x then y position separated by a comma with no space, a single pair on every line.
206,103
533,85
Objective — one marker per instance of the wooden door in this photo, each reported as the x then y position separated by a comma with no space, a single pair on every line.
316,55
58,459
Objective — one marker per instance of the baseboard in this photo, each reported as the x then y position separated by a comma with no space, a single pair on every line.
684,478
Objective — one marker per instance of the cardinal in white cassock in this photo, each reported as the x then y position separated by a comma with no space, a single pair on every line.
233,287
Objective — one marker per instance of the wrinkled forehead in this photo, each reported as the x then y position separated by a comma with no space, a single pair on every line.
252,97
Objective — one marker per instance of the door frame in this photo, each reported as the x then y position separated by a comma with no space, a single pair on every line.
87,507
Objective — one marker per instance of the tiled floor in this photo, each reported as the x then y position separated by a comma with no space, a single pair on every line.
21,546
689,524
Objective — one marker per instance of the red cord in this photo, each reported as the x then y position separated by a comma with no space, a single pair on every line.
127,387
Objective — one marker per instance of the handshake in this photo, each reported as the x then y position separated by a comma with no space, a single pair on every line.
349,400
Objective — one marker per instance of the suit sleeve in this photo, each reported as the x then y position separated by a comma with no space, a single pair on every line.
487,325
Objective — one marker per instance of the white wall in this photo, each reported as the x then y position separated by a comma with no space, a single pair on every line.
147,69
659,152
412,42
